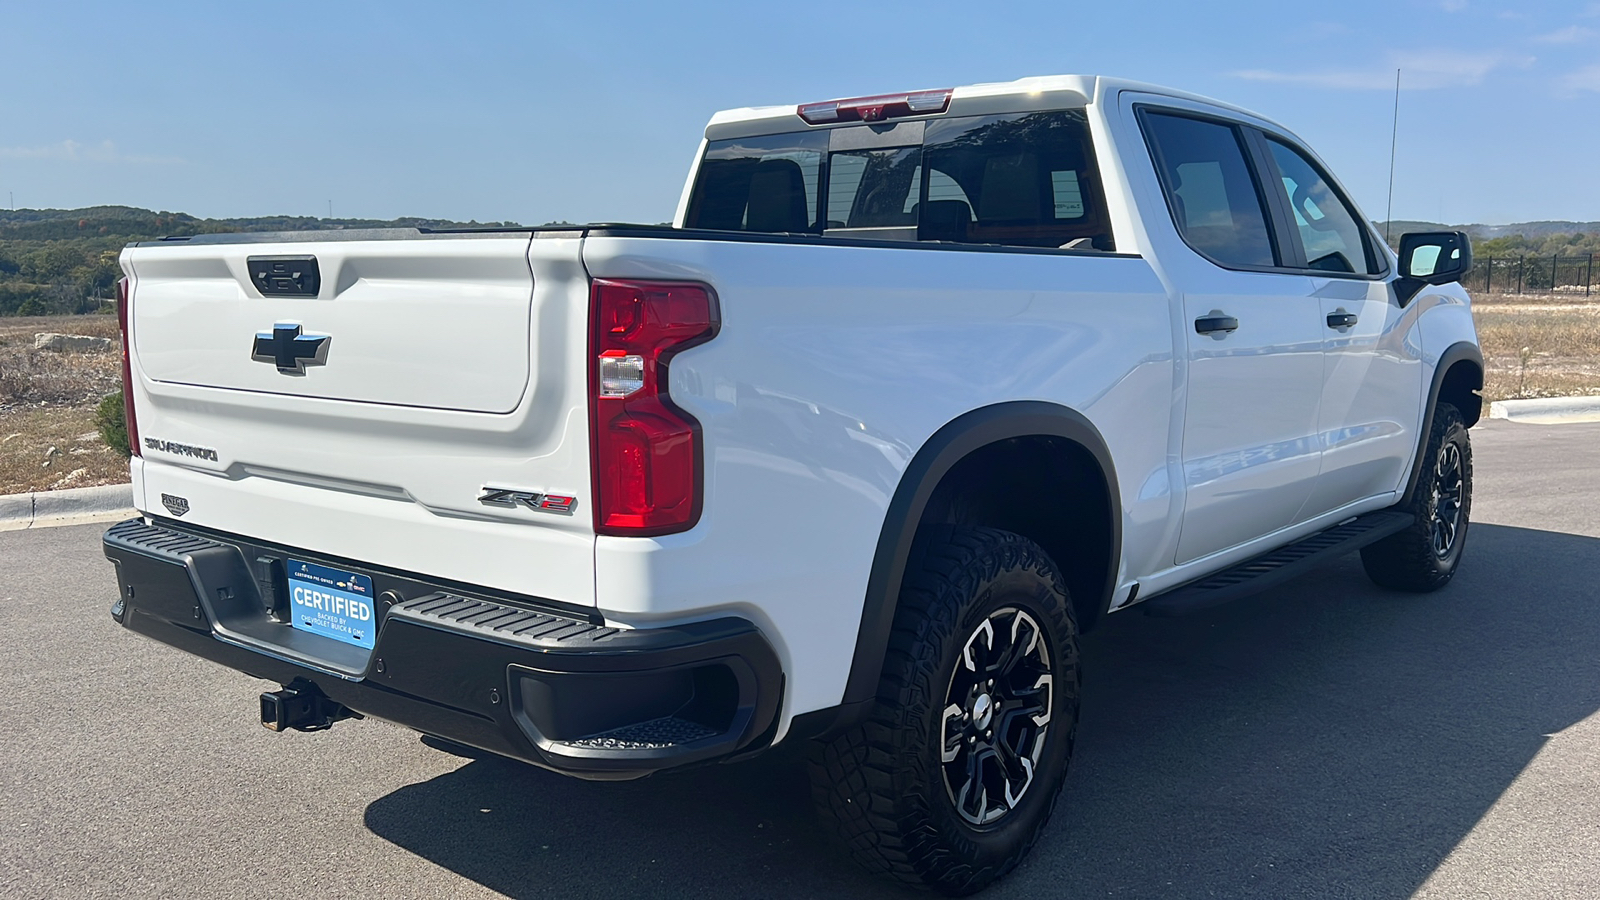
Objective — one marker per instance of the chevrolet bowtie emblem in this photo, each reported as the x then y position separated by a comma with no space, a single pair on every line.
289,350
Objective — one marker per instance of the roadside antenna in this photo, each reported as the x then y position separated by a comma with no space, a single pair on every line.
1394,138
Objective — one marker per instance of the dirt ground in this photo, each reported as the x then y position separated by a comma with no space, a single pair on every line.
47,400
1539,345
1533,346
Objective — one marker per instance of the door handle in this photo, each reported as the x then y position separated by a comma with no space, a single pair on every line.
1214,321
1341,319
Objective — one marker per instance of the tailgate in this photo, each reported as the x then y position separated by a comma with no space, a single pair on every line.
441,324
426,370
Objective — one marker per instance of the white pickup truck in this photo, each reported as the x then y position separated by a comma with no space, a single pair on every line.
915,389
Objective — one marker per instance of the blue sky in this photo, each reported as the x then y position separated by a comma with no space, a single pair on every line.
538,111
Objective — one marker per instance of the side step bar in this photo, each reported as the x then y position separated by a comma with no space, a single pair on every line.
1277,566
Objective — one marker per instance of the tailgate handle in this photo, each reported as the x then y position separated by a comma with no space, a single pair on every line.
285,276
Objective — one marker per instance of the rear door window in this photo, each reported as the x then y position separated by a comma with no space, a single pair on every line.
1210,191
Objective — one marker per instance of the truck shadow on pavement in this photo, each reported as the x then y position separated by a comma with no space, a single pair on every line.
1324,739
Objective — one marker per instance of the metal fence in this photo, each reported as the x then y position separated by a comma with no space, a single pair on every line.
1534,274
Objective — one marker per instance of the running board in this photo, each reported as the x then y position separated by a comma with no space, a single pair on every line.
1277,566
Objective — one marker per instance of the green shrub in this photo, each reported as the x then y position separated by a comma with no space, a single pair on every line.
113,427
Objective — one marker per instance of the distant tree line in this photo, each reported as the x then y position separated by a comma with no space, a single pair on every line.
1564,245
1547,239
55,261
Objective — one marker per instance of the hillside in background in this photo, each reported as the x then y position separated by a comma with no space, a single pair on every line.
65,260
1564,239
1530,230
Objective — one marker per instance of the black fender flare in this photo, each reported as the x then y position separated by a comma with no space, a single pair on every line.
948,446
1455,353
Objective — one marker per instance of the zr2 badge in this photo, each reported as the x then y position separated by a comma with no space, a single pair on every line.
556,503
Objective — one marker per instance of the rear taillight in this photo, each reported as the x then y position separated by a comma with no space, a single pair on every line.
123,316
876,109
646,452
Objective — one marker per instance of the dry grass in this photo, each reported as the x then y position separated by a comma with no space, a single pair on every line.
37,379
81,459
47,403
1538,346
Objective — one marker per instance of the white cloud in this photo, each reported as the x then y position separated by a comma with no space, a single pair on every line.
1585,79
1420,70
1452,5
103,152
1572,34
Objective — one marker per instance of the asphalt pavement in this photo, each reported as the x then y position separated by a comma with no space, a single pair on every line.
1326,739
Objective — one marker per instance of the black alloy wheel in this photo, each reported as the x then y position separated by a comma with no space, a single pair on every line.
996,716
1449,488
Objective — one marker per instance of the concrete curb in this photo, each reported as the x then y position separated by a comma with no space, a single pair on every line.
1547,410
41,509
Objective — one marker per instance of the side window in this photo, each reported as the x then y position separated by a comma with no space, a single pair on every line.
1328,230
1214,200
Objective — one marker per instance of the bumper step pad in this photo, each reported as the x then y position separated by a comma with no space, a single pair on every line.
501,622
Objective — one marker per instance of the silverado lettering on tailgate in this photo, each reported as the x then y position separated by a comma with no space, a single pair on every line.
180,449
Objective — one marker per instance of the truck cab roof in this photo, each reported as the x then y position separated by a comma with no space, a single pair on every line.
1038,92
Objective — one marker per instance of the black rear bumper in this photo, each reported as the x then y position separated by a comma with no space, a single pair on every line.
546,686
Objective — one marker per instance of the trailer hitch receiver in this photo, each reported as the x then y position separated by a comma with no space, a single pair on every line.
300,705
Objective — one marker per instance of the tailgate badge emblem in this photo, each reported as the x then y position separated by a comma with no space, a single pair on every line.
175,505
289,349
556,503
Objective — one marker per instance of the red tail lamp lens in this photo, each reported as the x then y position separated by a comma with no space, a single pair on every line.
123,316
646,452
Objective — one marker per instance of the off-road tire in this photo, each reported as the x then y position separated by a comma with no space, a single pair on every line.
1410,560
884,783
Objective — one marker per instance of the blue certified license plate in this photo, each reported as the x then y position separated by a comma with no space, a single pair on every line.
331,603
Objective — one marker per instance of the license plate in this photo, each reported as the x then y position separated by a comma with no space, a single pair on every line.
331,603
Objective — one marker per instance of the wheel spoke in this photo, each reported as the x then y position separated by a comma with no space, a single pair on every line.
952,740
969,654
974,798
1033,701
1024,640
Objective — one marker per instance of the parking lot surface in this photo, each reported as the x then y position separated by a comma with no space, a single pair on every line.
1325,739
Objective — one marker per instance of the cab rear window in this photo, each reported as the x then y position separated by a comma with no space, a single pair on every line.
1020,180
770,183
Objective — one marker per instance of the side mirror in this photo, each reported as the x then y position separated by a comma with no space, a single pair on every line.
1431,257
